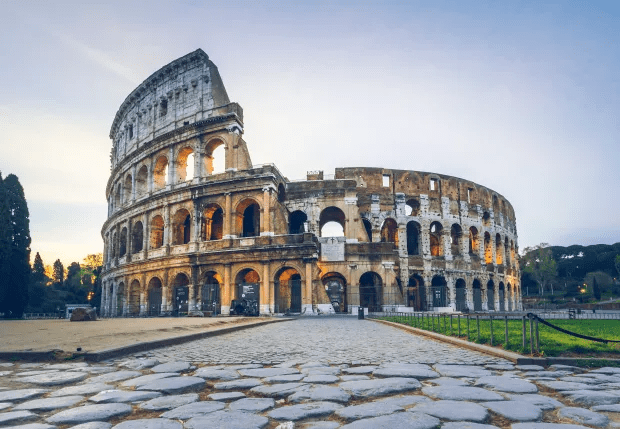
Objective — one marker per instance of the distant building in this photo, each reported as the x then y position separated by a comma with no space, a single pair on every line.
70,307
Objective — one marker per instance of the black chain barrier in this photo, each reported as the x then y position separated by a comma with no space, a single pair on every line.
574,334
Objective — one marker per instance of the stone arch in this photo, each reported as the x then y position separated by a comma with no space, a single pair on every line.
142,181
371,291
502,297
287,290
127,188
181,227
499,250
416,293
180,293
474,241
297,221
211,292
154,292
134,298
184,165
157,232
367,228
486,219
331,217
212,222
436,246
123,242
477,295
137,237
456,235
461,295
491,295
120,298
510,291
247,217
389,231
160,173
336,289
439,291
488,251
412,207
215,156
248,287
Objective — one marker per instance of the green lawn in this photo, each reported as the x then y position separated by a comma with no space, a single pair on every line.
552,342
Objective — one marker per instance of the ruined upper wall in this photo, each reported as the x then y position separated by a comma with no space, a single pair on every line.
187,90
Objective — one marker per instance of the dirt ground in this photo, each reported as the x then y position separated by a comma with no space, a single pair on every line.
44,335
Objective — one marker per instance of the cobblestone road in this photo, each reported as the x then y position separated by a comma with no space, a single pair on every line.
324,339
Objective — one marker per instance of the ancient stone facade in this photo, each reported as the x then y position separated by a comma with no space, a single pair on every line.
182,236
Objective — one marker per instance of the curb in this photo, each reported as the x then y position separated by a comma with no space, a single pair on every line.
511,356
133,348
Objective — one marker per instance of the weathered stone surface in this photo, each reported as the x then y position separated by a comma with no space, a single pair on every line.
580,380
33,426
243,383
592,397
90,413
108,396
149,424
37,372
466,425
114,376
226,396
582,415
545,426
21,394
453,410
267,372
217,374
320,393
139,363
369,409
397,420
515,410
291,378
564,385
47,404
461,393
71,365
145,379
380,387
171,367
252,404
169,402
172,385
327,370
541,401
82,389
228,420
320,425
55,378
404,401
418,371
93,425
607,370
354,377
448,381
194,410
615,408
544,374
83,315
304,411
278,390
501,366
461,370
507,384
5,405
359,370
530,367
16,417
321,379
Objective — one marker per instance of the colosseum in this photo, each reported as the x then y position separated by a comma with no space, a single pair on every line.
193,225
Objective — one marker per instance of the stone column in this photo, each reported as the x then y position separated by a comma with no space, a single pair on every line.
446,238
228,220
451,285
192,288
150,177
227,293
425,239
469,293
167,231
266,221
198,162
146,231
102,309
171,168
307,292
114,298
496,294
133,183
164,294
484,296
143,303
264,289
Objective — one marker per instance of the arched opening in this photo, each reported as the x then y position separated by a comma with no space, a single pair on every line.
137,237
114,245
123,243
157,232
248,218
477,295
440,292
510,296
413,238
413,207
181,227
213,223
512,254
435,239
371,291
154,297
474,241
332,222
389,232
211,293
336,288
120,298
117,197
499,250
247,302
368,228
134,298
142,181
502,302
461,295
486,219
127,189
296,222
215,154
160,173
185,165
507,254
180,294
455,239
491,295
287,290
488,251
416,293
495,204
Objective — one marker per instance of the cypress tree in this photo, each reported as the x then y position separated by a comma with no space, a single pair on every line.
38,269
596,290
59,272
5,250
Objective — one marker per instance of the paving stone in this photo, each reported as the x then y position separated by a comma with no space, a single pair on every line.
252,404
461,370
501,366
540,374
82,389
140,381
507,384
114,376
139,363
397,420
5,405
33,426
217,374
244,383
320,425
593,397
530,367
320,393
546,426
16,417
467,425
360,370
586,380
448,381
278,390
615,408
404,401
93,425
515,410
149,424
541,401
67,365
47,404
380,387
194,410
90,413
169,402
291,378
354,377
565,385
314,365
108,396
607,370
304,411
172,385
244,366
228,420
226,396
4,373
369,409
561,367
267,372
55,378
602,377
171,367
321,379
326,370
582,415
413,370
453,410
461,393
95,369
21,394
36,372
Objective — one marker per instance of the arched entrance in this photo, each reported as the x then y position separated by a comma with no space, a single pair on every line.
461,295
416,293
210,296
154,297
247,302
134,298
510,297
477,295
491,295
336,289
120,298
371,291
296,222
440,292
287,291
502,303
180,294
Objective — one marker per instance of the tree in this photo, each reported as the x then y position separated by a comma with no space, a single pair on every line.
596,290
5,249
617,264
538,262
38,269
59,272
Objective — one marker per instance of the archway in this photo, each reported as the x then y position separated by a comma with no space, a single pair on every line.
474,242
368,228
416,293
160,173
499,250
123,243
491,295
127,189
510,297
248,218
142,181
435,239
440,291
336,289
389,232
461,295
120,298
247,282
477,290
287,291
413,238
488,251
215,157
134,298
502,302
296,222
185,165
371,291
137,238
413,207
180,294
213,223
332,222
181,227
154,297
455,239
210,296
157,232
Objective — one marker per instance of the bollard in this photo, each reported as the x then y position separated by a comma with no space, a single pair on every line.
491,324
524,335
506,342
478,326
458,323
468,327
450,325
531,336
360,313
537,338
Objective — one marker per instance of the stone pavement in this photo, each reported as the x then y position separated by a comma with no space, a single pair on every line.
309,373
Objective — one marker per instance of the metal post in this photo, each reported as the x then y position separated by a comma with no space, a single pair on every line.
458,322
524,334
506,342
491,324
478,326
537,338
450,325
531,336
468,327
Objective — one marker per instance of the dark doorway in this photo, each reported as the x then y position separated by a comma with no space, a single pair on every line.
439,292
295,294
154,298
371,291
181,300
211,297
490,295
477,295
461,296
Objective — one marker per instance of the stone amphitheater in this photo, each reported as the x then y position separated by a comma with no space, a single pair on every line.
192,223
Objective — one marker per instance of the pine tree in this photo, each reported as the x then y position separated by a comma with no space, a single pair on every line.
38,269
59,272
596,290
5,250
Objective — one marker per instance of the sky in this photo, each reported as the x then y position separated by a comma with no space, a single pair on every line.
520,96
